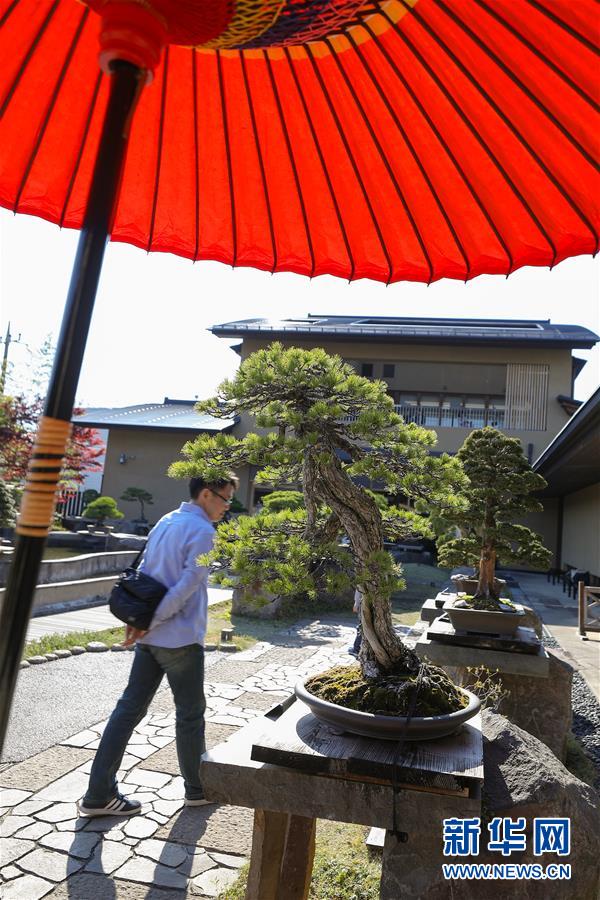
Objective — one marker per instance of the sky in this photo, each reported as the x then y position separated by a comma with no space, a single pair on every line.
149,337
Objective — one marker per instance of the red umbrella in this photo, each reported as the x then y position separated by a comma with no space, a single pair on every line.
388,139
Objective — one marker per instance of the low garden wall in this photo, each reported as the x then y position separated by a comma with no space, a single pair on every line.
70,593
76,568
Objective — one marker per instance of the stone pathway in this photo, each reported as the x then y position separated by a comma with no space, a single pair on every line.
169,851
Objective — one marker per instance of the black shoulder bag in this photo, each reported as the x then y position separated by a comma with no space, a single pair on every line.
135,596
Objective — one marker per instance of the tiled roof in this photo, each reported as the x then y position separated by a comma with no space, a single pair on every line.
507,332
172,415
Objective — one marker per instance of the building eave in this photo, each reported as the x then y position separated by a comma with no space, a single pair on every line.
570,462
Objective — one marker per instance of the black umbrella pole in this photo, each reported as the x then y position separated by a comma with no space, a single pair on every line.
39,497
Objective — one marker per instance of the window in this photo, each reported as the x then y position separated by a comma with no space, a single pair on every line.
366,370
389,370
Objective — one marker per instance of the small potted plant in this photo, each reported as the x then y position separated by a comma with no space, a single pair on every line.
501,484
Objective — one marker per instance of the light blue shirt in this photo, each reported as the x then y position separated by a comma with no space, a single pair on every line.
171,554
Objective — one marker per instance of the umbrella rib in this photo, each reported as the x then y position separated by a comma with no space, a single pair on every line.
323,163
261,161
385,161
537,52
517,81
228,155
564,25
8,12
351,160
21,70
196,153
411,149
82,144
509,124
54,97
451,155
478,137
292,161
161,135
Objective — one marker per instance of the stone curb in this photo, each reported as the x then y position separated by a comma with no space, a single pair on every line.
101,647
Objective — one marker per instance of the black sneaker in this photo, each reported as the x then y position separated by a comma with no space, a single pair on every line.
118,806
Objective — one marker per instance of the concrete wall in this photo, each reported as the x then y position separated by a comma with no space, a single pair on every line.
476,370
75,568
149,453
546,525
65,592
581,529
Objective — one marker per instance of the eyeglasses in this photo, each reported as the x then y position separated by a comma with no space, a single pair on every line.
227,500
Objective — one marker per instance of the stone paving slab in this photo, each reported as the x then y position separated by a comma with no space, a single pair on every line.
165,760
29,887
230,670
35,773
227,829
260,701
85,886
54,866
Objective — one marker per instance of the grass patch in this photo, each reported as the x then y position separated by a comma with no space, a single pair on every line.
51,642
344,868
219,616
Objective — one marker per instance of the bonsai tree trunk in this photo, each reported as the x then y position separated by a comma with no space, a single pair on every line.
487,580
324,480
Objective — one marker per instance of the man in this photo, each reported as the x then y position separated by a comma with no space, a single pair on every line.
172,646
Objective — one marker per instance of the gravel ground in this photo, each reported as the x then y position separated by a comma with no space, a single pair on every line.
57,699
586,714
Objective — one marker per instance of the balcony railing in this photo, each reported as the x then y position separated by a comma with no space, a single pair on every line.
461,417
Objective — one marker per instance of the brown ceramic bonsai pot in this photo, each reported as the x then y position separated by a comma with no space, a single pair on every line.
484,621
389,728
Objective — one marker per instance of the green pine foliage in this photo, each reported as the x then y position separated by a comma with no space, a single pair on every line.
103,508
138,495
321,427
8,509
500,489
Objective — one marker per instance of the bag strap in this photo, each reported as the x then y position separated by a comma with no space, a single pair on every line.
138,558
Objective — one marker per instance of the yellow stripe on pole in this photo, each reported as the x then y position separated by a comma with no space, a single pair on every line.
40,495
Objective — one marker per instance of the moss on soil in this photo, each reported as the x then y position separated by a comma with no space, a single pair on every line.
488,604
390,695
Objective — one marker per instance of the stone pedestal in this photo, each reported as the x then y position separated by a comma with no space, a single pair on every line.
346,778
541,706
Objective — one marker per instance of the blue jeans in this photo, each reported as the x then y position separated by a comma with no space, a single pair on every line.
184,668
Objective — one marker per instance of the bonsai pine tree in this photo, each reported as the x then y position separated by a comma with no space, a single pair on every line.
501,484
102,508
326,426
139,495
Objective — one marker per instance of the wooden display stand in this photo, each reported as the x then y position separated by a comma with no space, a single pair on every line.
293,770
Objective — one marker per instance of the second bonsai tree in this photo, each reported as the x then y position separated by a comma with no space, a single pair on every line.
499,493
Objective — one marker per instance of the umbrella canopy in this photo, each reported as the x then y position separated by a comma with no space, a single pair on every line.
387,139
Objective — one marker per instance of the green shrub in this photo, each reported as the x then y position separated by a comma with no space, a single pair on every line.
280,500
103,508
